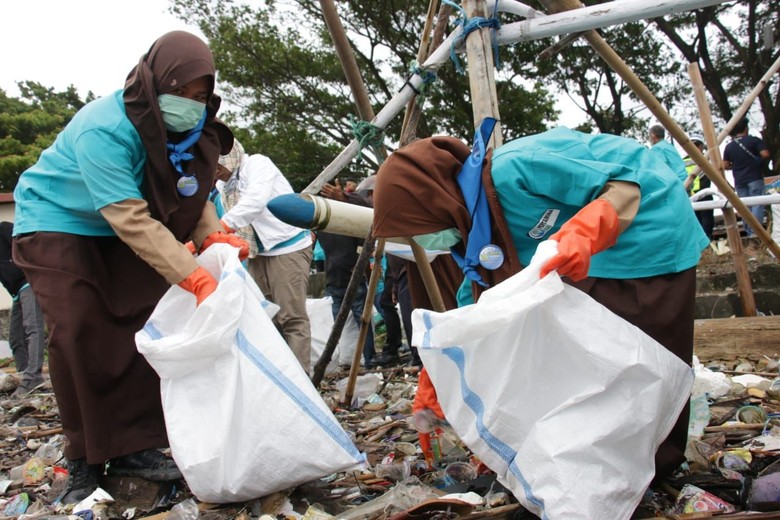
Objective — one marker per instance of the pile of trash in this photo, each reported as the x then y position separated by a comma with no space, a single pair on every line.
733,466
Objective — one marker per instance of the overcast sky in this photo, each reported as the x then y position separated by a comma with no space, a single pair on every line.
91,44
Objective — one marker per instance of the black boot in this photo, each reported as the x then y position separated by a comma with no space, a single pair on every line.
83,479
387,359
146,464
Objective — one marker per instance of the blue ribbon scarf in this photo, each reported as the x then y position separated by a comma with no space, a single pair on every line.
470,182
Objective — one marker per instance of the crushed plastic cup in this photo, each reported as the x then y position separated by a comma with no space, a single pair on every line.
459,472
395,471
186,510
48,453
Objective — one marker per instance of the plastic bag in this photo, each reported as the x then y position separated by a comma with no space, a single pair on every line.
321,320
564,400
243,418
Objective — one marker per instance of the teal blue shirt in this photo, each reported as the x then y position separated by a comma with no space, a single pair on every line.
543,180
97,160
669,155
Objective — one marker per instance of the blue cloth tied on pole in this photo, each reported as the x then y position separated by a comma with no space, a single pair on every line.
470,182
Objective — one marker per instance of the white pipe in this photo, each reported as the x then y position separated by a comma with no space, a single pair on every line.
721,202
594,17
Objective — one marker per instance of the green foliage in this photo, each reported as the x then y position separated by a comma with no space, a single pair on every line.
734,45
29,124
280,74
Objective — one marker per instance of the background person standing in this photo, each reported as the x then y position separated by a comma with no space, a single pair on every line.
279,254
747,156
25,334
667,151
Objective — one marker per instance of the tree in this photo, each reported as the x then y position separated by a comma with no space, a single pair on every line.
580,73
734,45
29,124
282,78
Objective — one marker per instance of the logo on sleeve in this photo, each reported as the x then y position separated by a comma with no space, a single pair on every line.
545,224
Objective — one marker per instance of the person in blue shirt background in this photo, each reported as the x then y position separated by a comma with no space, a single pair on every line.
747,156
667,151
626,232
99,229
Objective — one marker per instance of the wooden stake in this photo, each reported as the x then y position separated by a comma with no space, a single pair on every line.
482,83
421,259
744,286
366,321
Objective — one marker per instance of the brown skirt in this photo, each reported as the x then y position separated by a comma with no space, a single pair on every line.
663,307
95,294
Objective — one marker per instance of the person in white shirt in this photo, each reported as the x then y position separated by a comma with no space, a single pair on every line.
280,255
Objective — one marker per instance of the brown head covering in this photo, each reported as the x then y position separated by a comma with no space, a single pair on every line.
174,60
417,192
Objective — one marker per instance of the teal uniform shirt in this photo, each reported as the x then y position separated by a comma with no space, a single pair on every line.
543,180
97,160
669,154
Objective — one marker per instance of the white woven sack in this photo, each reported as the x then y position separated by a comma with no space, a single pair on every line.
564,400
243,418
321,320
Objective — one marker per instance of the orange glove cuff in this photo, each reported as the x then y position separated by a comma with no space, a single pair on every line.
426,395
200,283
219,237
593,229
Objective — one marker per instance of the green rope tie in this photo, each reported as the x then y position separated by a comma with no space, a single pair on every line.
428,77
366,134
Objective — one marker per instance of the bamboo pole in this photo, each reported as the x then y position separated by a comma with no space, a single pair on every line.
744,285
643,93
426,273
366,112
349,64
482,82
366,321
411,114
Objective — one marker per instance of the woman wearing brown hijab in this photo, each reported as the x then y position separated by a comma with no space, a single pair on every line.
100,221
625,231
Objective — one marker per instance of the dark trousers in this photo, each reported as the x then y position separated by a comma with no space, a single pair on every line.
26,338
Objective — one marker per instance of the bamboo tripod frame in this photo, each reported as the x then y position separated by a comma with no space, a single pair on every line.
485,103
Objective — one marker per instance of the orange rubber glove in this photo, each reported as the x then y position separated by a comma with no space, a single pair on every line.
218,237
200,283
190,247
594,228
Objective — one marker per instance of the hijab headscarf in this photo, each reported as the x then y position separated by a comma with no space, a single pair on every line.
417,192
175,59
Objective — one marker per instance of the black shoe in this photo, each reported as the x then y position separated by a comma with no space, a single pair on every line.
83,480
146,464
387,359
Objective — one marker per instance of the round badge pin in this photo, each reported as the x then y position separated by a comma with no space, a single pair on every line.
491,257
187,185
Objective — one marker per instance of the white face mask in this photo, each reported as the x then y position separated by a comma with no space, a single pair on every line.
179,113
439,240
